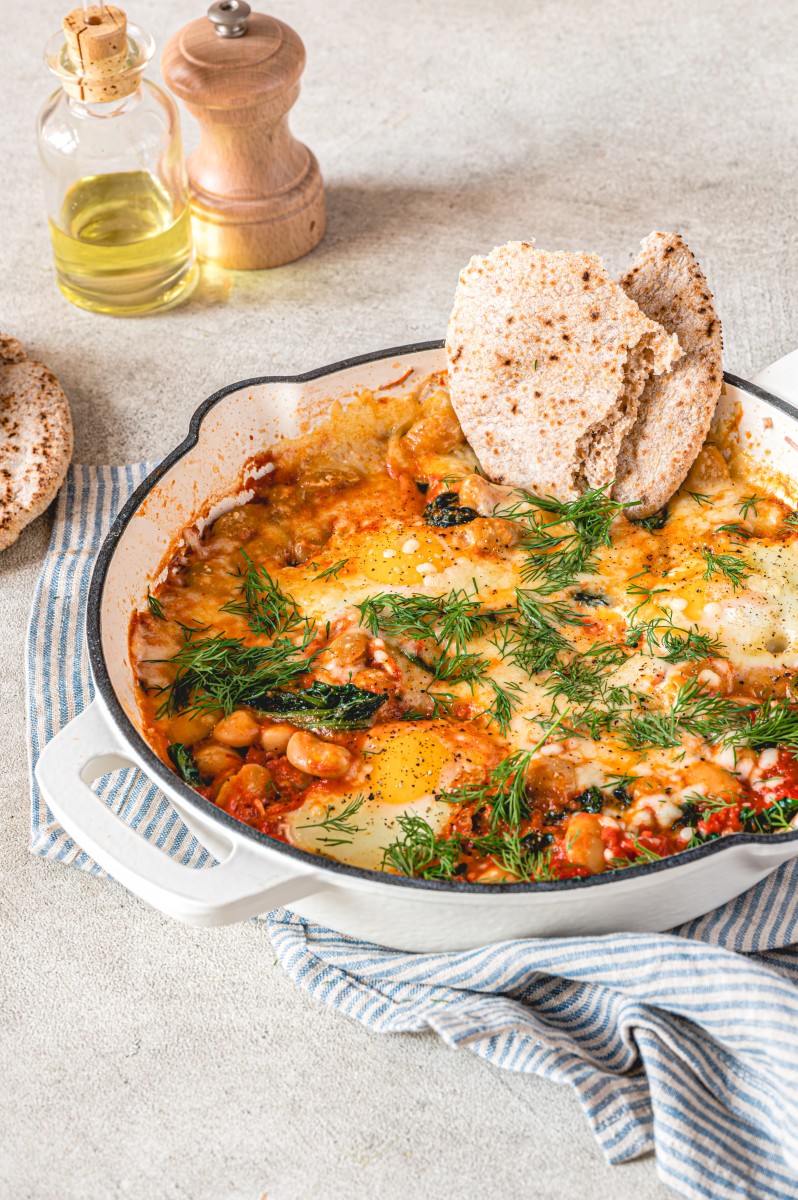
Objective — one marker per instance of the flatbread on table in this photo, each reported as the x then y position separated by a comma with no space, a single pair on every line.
675,411
35,439
547,359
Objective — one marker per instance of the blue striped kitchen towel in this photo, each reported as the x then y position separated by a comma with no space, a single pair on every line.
683,1043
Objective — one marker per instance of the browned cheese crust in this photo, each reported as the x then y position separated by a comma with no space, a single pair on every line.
547,360
35,439
676,409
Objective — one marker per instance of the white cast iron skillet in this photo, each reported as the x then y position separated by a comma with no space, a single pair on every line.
256,873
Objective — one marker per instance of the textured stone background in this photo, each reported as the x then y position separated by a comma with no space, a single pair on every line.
141,1059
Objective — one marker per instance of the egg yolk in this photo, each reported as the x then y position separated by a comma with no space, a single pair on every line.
400,557
405,762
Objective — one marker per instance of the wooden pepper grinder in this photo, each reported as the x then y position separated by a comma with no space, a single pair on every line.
257,197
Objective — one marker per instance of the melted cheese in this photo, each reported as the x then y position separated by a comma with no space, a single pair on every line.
349,525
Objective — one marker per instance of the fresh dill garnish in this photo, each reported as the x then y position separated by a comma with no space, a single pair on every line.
734,529
454,668
694,711
748,504
585,681
333,571
454,619
644,855
223,673
645,595
791,520
156,608
441,706
776,818
532,641
690,645
555,559
700,839
582,680
679,645
544,614
505,787
730,566
419,853
774,723
504,790
700,498
522,856
263,604
710,803
506,698
340,824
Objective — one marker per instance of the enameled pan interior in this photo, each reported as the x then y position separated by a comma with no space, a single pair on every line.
203,476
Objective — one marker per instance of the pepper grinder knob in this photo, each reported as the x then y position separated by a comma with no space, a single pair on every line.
257,197
229,17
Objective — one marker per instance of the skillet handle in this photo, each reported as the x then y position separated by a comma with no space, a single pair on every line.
241,886
781,378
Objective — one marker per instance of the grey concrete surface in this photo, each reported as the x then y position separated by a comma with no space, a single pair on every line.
142,1060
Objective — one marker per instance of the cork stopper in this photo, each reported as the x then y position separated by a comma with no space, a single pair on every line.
97,45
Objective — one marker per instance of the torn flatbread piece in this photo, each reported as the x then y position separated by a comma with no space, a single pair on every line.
675,410
35,439
547,360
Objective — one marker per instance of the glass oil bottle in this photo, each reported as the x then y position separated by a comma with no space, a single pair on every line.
115,179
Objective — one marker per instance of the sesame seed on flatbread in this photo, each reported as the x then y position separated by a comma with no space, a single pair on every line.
35,439
675,410
547,359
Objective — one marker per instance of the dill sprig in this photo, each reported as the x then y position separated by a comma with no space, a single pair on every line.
700,498
263,604
506,698
734,529
643,855
695,711
223,673
791,520
333,571
776,818
453,619
504,790
419,853
340,824
679,645
505,787
453,668
516,854
544,615
156,608
643,595
730,566
533,640
748,504
555,559
690,645
774,723
586,682
582,680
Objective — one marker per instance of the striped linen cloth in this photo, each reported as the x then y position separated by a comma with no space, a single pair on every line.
683,1043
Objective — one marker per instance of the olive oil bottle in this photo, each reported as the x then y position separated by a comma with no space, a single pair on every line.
115,179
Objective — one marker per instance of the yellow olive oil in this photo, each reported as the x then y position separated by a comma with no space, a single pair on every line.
120,247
